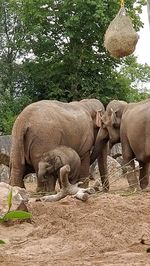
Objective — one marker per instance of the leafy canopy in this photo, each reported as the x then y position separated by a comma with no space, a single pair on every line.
54,50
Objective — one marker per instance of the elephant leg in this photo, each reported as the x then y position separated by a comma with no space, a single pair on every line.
51,183
16,176
59,182
41,186
48,185
131,174
84,170
144,176
129,165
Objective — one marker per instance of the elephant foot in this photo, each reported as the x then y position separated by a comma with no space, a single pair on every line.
15,183
40,189
144,183
45,190
47,186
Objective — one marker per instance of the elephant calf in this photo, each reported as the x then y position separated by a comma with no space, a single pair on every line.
51,162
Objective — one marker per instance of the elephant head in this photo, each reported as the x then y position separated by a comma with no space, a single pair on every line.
43,169
109,127
102,138
111,120
48,165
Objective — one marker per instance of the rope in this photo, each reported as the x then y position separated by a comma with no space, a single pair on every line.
122,3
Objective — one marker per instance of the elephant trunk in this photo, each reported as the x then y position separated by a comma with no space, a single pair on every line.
100,144
100,152
94,154
44,167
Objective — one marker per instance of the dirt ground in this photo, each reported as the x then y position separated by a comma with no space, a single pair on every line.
106,230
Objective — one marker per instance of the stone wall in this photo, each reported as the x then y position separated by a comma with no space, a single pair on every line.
5,143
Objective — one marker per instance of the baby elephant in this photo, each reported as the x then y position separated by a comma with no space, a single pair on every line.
53,160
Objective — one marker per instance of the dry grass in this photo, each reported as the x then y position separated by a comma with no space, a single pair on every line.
120,38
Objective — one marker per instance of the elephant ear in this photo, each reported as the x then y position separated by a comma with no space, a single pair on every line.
58,162
115,120
98,120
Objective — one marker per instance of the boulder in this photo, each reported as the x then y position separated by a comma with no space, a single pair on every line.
4,173
20,198
114,169
116,151
5,143
30,178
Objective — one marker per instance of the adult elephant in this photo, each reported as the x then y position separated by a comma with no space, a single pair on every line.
44,125
130,125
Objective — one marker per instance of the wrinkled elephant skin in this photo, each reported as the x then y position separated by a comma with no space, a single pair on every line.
130,124
44,125
52,161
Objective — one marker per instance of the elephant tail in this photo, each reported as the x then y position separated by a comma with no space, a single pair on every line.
17,152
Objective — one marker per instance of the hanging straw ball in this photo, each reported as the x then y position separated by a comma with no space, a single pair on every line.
121,38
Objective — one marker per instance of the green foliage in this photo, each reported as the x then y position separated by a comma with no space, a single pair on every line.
9,109
2,242
54,50
138,75
9,199
15,215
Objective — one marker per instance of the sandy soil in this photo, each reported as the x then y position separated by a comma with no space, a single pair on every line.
106,230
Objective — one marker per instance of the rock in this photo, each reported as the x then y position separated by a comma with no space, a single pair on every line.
117,171
5,143
30,178
116,151
114,169
20,198
93,170
4,173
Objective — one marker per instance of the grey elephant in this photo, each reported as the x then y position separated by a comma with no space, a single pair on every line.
130,125
53,160
44,125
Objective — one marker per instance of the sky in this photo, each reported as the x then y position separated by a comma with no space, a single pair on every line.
143,46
